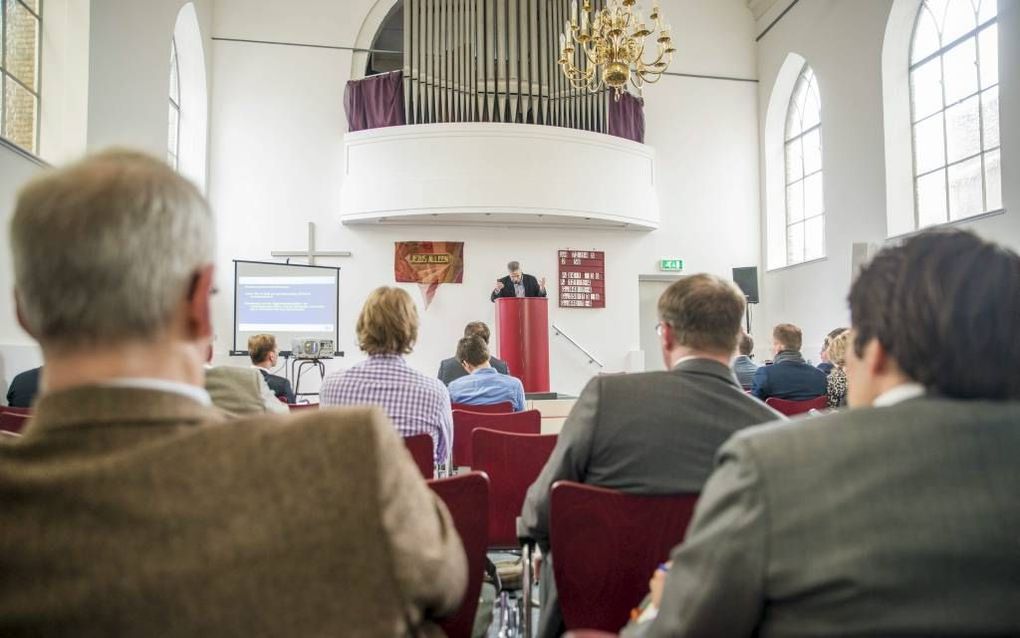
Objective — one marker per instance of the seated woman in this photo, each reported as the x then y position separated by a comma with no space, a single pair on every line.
417,404
837,378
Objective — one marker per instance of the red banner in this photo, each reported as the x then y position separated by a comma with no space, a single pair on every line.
582,278
429,262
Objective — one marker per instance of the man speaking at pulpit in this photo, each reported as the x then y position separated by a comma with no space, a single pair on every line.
517,284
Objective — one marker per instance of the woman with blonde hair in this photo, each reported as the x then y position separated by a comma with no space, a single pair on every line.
417,404
837,378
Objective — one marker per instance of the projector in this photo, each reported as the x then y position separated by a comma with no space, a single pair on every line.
313,348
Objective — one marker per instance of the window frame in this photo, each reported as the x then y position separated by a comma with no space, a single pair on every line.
983,151
787,139
5,75
175,105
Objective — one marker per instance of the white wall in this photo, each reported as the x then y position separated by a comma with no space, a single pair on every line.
276,162
842,41
129,65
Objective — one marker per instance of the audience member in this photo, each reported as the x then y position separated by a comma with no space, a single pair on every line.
837,378
24,388
483,385
656,432
130,508
897,517
743,366
387,330
265,356
826,365
239,391
789,377
450,369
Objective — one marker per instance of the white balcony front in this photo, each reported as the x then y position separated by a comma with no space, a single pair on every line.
499,175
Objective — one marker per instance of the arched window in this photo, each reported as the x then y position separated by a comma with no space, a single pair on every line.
954,108
20,42
173,146
805,210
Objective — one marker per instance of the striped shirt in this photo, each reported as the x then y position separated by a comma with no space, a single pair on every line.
416,404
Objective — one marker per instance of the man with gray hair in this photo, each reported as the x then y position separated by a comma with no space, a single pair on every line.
130,506
517,284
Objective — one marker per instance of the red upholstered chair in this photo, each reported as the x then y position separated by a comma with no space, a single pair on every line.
297,407
512,463
606,545
467,498
420,447
491,408
465,422
791,408
14,419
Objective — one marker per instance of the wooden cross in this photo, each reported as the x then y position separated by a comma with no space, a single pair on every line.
311,253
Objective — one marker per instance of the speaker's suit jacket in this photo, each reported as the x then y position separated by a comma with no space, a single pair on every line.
649,433
132,512
24,387
531,288
894,521
450,369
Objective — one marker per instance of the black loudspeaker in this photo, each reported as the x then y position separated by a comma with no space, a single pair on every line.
747,280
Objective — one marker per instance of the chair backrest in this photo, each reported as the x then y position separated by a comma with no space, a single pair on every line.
420,447
606,545
490,408
467,498
14,419
790,408
297,407
465,422
512,462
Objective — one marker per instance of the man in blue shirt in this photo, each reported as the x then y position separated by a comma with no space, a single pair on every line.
789,377
483,385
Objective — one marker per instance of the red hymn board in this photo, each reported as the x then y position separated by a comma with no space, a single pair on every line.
582,279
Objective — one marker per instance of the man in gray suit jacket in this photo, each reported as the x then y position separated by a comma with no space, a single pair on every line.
656,432
898,517
451,369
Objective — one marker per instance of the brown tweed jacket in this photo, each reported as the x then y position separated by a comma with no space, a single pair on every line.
130,512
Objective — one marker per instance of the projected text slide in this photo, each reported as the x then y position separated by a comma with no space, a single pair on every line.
286,304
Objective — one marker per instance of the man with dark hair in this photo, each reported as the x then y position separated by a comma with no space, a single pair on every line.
483,385
518,284
897,517
656,432
789,377
743,366
450,369
827,365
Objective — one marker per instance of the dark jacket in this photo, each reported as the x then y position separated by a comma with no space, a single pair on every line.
789,378
450,369
531,288
24,387
280,386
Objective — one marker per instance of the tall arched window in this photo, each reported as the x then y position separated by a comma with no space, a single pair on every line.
954,103
805,210
20,43
173,147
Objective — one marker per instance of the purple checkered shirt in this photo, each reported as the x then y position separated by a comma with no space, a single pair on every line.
416,404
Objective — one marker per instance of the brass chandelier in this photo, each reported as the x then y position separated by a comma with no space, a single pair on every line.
611,46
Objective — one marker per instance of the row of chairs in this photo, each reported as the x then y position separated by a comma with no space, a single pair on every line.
606,544
13,420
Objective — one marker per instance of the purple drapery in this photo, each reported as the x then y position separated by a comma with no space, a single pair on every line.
627,117
375,102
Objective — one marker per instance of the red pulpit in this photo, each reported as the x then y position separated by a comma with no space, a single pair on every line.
522,325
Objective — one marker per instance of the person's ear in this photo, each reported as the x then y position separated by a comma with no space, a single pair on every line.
198,305
21,316
876,358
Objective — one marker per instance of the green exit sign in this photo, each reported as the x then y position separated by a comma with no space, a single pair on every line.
671,265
